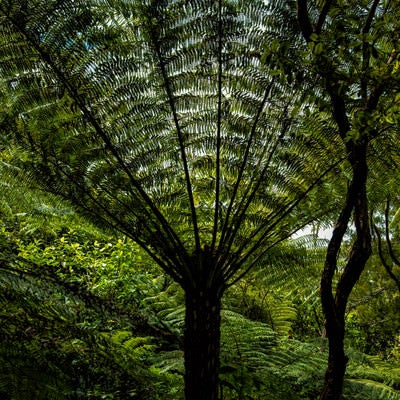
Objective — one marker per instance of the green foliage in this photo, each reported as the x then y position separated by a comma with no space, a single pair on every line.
69,330
66,344
372,377
147,123
373,321
196,129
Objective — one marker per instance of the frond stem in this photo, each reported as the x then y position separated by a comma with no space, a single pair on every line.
276,219
219,120
366,55
171,102
98,129
387,235
323,15
230,274
225,228
248,197
168,265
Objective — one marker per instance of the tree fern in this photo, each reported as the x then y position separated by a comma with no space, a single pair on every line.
169,122
159,119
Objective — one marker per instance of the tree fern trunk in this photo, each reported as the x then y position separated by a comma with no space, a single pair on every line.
202,344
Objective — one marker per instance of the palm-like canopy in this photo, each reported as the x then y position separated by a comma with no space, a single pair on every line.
160,119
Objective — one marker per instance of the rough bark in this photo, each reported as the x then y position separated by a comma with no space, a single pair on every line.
202,343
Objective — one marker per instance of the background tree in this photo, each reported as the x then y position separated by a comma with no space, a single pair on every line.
386,235
353,53
159,119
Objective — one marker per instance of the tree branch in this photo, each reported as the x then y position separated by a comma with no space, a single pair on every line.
366,55
387,235
383,260
304,20
323,15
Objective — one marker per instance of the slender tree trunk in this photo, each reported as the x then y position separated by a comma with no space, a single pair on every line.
334,305
202,343
337,362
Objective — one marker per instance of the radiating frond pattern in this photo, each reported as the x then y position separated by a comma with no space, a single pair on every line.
161,119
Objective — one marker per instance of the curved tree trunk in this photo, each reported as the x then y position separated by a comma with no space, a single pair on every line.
202,343
334,306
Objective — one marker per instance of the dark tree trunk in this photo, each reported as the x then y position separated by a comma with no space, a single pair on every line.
334,302
202,343
334,305
337,362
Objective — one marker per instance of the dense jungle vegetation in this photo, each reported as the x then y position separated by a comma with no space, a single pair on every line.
86,315
199,199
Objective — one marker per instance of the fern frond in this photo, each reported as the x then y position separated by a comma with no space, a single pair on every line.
365,388
161,120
